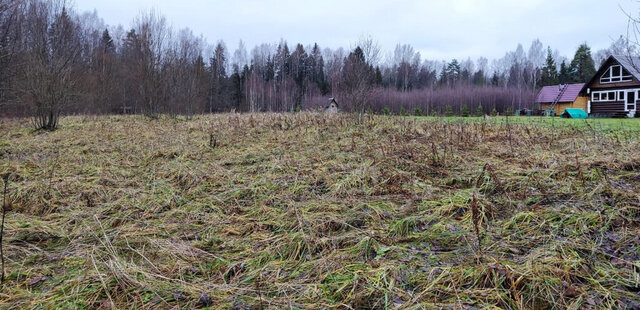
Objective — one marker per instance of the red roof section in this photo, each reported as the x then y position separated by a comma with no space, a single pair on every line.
550,93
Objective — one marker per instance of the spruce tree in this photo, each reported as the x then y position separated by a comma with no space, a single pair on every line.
495,79
582,67
549,71
464,111
378,76
448,111
564,76
106,43
318,69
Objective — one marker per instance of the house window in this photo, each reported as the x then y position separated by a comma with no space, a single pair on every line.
609,96
615,74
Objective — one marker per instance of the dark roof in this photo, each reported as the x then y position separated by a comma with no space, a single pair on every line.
630,63
332,100
550,93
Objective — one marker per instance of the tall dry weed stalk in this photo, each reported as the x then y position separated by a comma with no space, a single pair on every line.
6,207
476,218
258,288
213,142
509,132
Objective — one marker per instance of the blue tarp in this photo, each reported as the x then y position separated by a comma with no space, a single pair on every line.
574,113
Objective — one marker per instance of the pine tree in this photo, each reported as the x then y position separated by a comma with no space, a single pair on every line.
479,110
549,71
582,67
453,71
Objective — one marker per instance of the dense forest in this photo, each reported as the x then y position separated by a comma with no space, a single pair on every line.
54,60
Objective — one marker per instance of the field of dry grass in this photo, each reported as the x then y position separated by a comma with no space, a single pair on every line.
310,211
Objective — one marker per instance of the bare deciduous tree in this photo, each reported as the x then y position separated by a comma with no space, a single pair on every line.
9,35
371,49
51,59
154,36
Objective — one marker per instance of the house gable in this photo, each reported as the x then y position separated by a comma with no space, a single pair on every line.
615,72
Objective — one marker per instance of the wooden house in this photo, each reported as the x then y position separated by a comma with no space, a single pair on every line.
561,97
615,89
332,106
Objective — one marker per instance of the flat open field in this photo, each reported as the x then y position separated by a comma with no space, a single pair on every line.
318,211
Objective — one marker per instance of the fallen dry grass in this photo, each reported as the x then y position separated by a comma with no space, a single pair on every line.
316,211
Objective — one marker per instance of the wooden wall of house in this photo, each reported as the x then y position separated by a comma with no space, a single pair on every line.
607,107
596,85
559,108
579,103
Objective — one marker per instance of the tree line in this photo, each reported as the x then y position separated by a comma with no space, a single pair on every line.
54,60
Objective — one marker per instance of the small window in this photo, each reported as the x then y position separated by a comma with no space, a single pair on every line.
612,96
603,96
626,76
596,96
621,95
615,71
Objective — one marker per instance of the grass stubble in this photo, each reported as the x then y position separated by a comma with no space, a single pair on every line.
310,211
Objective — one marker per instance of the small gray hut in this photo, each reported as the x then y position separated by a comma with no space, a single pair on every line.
332,107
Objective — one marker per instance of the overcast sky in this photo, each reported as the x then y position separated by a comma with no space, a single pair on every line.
439,29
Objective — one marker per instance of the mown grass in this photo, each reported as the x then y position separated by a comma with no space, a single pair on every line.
320,211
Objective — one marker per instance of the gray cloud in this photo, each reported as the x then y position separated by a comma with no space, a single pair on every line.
439,29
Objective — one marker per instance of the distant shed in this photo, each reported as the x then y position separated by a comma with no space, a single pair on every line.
561,97
332,106
574,113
